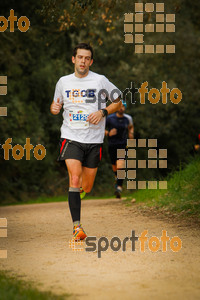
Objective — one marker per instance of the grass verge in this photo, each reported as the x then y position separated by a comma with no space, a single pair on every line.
63,198
15,289
182,195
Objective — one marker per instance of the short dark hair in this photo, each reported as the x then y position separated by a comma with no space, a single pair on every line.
83,46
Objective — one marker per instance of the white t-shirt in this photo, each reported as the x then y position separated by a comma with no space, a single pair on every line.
80,97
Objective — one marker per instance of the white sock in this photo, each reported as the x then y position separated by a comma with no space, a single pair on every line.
76,223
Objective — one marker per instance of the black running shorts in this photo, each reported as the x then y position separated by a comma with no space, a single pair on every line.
112,149
89,154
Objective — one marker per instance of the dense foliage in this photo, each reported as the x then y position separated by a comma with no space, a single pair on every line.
35,60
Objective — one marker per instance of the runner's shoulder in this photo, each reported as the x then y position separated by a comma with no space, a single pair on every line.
66,77
97,76
129,117
91,75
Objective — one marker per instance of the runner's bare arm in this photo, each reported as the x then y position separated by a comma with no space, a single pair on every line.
96,117
114,106
111,132
106,132
131,131
55,107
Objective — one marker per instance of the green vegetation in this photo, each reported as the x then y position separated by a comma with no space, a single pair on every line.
34,61
182,195
63,198
14,289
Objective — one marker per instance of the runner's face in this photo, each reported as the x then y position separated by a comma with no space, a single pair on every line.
121,111
82,61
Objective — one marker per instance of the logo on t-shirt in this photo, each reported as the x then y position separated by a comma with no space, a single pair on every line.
79,96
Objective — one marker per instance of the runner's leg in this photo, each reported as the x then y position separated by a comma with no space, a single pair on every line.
114,168
88,177
116,165
75,170
120,165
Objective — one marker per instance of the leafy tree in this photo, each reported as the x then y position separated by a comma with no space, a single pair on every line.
35,60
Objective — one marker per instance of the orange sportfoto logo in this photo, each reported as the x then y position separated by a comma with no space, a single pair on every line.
23,22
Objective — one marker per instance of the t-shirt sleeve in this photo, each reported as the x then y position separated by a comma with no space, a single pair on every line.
58,92
112,92
130,119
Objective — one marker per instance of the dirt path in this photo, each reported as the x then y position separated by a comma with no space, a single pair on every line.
38,248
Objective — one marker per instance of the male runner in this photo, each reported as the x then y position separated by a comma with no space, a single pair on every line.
83,127
119,127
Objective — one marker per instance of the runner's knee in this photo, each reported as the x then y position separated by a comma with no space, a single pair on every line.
75,181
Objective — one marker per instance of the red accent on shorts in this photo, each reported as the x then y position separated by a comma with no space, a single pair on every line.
199,137
100,154
63,143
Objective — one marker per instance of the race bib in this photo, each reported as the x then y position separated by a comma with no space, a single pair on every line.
77,118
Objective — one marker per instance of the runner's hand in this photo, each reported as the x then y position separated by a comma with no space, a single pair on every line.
95,117
55,107
112,132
